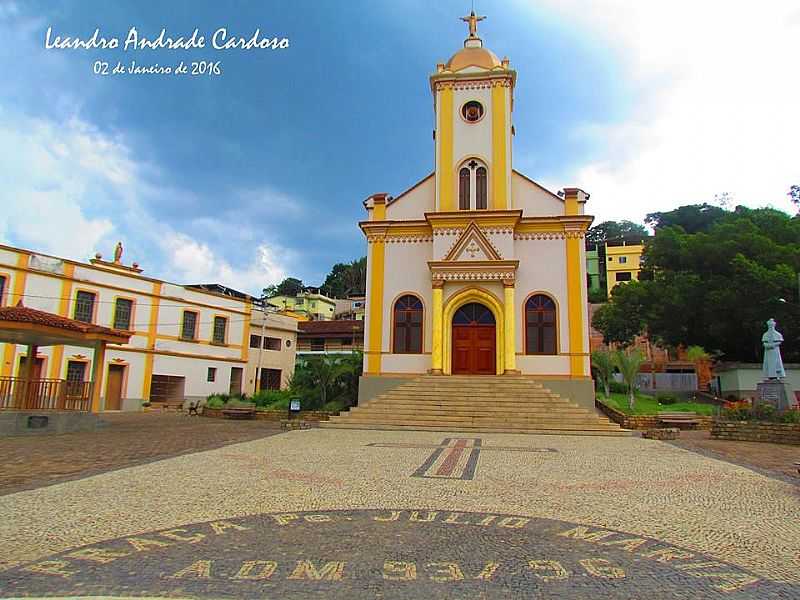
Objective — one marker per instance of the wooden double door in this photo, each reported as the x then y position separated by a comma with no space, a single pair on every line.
474,338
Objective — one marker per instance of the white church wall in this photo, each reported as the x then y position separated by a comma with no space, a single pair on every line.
443,242
477,137
503,243
531,364
533,200
542,266
414,203
406,271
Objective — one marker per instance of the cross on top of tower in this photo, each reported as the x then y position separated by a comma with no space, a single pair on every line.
472,20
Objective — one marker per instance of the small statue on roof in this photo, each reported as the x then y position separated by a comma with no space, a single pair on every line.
118,253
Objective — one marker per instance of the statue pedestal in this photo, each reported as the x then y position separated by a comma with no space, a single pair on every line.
776,393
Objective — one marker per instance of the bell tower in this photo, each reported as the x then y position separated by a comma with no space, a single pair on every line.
473,100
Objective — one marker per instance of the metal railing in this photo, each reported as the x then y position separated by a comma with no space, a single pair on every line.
44,394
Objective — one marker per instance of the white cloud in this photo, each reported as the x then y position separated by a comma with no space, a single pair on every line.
717,97
70,189
193,261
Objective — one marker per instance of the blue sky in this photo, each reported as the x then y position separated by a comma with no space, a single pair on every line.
260,173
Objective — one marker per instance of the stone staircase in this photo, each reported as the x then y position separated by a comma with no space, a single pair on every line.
492,404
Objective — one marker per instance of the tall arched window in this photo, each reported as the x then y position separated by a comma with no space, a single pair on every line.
480,188
463,189
473,191
407,325
540,325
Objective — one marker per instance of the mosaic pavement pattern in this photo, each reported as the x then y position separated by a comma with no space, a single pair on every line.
367,514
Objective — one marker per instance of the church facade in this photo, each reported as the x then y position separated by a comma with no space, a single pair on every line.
476,269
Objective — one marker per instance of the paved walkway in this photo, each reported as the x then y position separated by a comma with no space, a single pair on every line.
128,439
366,514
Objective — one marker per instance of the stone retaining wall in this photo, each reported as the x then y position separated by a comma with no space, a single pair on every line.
273,415
643,422
751,431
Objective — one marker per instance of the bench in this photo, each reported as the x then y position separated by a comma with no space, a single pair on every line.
239,413
678,418
167,405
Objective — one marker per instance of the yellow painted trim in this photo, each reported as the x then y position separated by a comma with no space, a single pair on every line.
152,334
444,170
379,212
508,329
98,371
245,333
458,300
152,353
20,277
576,308
175,338
375,301
571,205
56,364
437,294
499,158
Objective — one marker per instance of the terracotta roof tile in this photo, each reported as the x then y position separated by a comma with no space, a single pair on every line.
23,314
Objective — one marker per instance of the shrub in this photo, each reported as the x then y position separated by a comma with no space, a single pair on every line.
666,399
267,397
790,416
214,401
617,387
335,406
282,403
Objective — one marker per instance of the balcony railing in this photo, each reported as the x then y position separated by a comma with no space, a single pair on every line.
44,394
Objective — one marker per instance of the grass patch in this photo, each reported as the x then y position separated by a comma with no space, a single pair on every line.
648,405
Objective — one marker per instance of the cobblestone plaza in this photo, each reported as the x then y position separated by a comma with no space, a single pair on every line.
369,514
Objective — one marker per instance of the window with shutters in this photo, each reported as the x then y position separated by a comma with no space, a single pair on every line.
84,307
123,310
189,326
220,329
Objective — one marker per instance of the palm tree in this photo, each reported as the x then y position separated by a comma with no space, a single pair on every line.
628,365
323,371
603,365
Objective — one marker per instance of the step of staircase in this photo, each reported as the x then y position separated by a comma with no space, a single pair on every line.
491,404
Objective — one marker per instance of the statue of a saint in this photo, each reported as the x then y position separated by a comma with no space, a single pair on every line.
118,252
773,364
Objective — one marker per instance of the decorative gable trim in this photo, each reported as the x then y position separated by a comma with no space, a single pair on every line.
472,237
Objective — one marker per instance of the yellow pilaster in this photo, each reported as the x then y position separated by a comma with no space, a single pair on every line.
575,306
509,330
444,135
246,331
17,294
436,327
375,300
499,141
98,368
152,332
57,357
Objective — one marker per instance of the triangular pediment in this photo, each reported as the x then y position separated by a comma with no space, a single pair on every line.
472,245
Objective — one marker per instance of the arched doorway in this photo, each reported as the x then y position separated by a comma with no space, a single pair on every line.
474,340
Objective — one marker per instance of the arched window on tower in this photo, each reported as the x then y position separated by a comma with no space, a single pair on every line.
540,325
407,325
463,189
480,188
473,192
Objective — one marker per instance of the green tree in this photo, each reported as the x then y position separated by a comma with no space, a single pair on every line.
351,369
794,196
288,287
691,218
622,318
323,371
616,230
629,364
714,287
603,367
347,279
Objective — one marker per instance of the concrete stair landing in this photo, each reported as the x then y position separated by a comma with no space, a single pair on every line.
483,403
